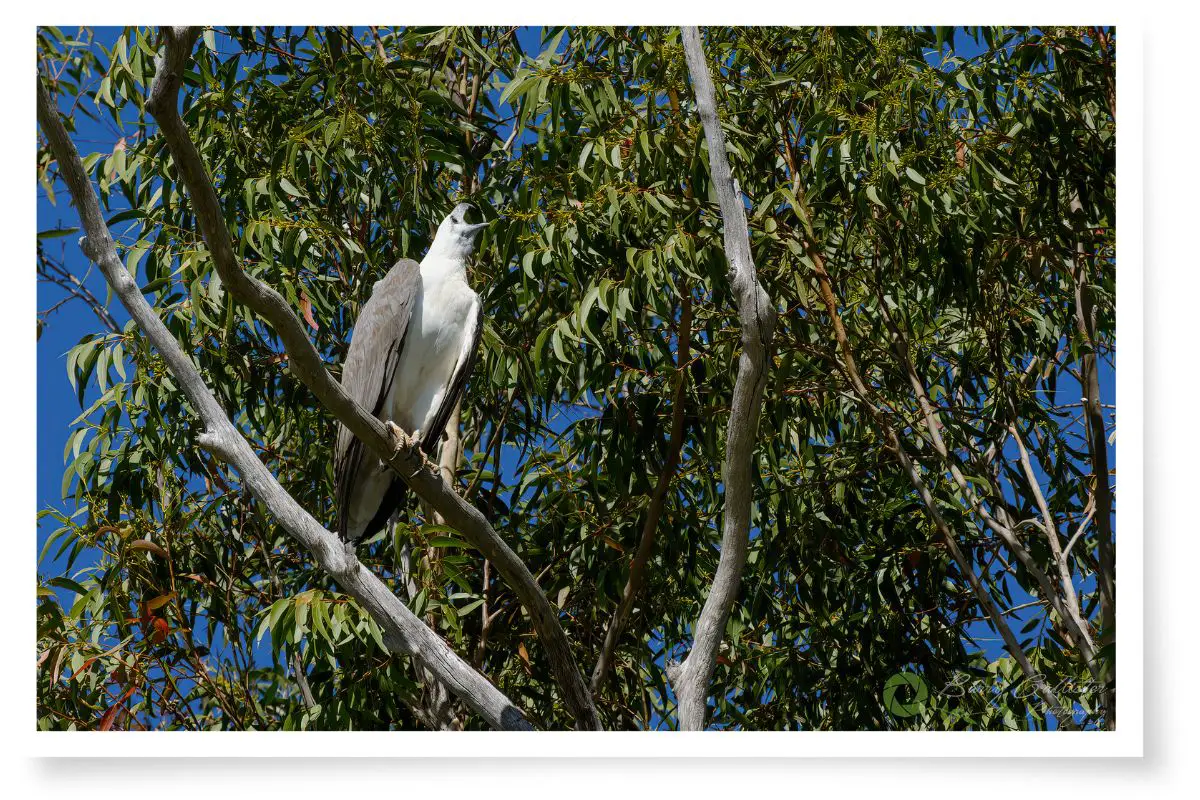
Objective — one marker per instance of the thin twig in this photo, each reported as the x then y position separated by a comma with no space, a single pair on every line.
637,567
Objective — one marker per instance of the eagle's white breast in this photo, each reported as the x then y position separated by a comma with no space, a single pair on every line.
440,332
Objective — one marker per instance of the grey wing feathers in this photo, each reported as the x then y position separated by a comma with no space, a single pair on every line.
370,367
458,382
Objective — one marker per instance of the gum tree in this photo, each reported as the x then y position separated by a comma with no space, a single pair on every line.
930,213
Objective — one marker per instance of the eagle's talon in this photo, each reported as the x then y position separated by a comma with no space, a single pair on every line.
403,443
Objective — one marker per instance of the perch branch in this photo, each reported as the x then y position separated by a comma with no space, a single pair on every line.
307,365
403,632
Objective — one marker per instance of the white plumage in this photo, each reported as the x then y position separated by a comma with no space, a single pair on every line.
412,349
440,335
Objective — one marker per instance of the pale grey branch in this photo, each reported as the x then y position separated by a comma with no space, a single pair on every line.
757,317
1050,529
1087,519
981,593
403,632
1093,412
931,421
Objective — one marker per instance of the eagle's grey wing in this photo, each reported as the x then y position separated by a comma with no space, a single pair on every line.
370,369
458,381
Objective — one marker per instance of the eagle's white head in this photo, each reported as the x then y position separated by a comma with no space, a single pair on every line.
455,239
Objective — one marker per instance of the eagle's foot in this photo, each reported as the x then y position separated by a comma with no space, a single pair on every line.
426,464
410,445
402,442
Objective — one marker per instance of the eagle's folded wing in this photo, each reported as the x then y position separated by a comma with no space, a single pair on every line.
375,348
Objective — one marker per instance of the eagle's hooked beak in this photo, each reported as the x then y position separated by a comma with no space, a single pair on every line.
469,230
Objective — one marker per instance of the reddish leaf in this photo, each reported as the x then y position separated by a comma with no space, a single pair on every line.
106,722
306,307
159,630
110,716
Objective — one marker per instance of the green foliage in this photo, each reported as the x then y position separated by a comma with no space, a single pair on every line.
938,192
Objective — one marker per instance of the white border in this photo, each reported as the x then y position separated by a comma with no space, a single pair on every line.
1126,741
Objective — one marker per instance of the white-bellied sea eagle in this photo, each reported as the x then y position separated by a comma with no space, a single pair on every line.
412,348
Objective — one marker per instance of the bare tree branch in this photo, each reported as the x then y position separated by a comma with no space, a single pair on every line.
1087,518
757,317
993,611
931,420
52,272
402,631
1050,529
387,443
1089,379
